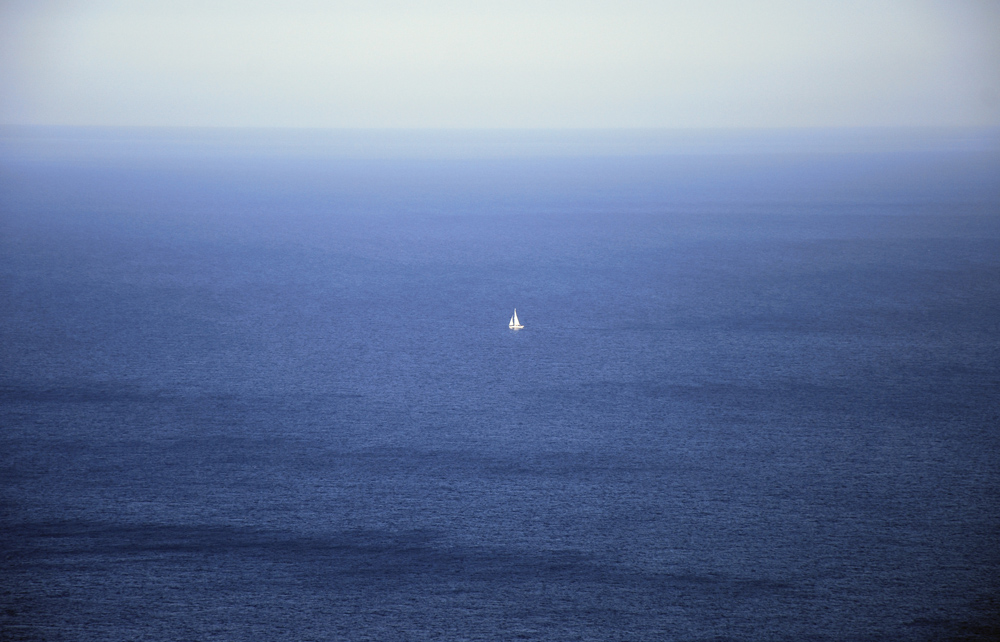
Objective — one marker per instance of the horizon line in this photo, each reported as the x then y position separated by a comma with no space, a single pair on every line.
488,128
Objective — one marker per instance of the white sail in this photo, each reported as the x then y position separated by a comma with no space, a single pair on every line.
514,323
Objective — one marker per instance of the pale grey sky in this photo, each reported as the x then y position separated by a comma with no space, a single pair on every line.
704,63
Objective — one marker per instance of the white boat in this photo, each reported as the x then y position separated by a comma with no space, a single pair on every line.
514,323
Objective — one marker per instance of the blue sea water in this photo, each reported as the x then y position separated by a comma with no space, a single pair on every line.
263,391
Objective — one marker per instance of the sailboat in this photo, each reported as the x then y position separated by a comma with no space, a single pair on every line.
514,323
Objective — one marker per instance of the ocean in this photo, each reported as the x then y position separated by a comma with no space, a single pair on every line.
260,386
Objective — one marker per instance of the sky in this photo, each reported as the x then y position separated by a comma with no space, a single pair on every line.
512,64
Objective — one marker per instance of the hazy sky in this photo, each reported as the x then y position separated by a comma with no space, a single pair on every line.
704,63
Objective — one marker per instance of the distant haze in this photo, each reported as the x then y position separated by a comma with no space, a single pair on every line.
501,65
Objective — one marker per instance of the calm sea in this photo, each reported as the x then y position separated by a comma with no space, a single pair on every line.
264,389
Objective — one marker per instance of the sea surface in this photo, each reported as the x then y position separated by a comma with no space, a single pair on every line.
260,386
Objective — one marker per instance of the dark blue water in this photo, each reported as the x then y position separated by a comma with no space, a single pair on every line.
269,396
